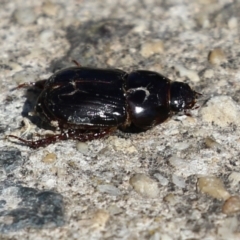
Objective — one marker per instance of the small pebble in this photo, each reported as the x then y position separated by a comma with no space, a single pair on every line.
178,181
115,210
208,73
49,158
152,47
221,111
231,205
144,185
171,132
116,46
25,16
50,183
180,146
233,23
109,189
171,199
212,143
82,147
203,20
178,162
213,186
163,181
16,67
46,36
50,9
216,56
184,72
100,218
141,26
234,178
227,228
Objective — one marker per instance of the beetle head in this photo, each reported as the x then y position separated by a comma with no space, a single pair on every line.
182,97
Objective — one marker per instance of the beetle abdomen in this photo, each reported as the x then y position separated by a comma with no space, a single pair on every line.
85,97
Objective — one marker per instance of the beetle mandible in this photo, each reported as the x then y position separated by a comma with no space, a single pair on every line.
86,103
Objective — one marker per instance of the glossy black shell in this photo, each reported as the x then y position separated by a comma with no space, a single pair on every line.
88,103
84,97
81,97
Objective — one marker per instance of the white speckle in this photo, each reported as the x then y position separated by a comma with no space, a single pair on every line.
50,183
116,113
138,110
147,93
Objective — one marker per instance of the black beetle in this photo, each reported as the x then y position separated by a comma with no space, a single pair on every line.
88,103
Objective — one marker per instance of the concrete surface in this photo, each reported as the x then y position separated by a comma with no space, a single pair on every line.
179,180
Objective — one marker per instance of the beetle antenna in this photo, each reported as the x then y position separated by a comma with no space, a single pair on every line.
39,84
197,95
23,85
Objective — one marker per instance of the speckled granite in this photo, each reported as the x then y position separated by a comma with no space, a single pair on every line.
179,180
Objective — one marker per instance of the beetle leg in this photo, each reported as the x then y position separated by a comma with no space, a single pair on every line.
187,113
76,134
76,62
83,137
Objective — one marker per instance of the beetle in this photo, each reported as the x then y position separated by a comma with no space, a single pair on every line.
85,103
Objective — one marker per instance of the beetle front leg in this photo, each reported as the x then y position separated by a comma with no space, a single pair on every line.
76,134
